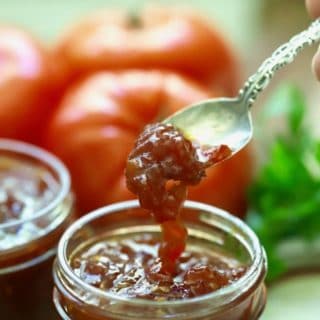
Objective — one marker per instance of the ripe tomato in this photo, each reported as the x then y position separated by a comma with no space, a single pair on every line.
95,126
157,38
28,80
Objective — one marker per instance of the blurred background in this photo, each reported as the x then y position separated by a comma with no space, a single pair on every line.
254,28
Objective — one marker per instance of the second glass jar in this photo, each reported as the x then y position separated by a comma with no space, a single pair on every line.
30,230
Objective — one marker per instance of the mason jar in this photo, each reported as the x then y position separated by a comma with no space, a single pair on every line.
35,208
208,227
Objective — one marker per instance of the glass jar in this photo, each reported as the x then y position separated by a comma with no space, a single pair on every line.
28,242
208,226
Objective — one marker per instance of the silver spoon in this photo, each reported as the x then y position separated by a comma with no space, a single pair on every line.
228,120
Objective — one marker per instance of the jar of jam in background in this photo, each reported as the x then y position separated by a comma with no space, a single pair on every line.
35,209
211,231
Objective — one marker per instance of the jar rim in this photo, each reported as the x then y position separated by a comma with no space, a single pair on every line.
36,153
257,258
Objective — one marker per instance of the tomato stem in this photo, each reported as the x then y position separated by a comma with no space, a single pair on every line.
134,20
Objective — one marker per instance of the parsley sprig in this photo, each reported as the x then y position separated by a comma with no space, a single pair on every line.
285,197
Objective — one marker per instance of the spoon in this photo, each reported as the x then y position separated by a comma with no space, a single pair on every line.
228,120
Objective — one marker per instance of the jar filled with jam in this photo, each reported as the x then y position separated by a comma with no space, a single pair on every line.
35,209
108,267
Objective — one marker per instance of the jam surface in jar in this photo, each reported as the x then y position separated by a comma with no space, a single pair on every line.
159,169
25,188
130,267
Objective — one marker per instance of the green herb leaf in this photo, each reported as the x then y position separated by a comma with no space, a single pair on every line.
296,108
285,197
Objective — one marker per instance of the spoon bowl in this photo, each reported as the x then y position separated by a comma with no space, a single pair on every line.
227,121
215,122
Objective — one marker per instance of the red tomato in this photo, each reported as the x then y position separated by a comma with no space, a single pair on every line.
158,38
28,80
96,124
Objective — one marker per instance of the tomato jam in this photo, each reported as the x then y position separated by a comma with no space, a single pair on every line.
108,268
35,208
130,267
24,190
159,169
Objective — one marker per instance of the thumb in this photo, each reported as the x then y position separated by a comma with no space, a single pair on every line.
313,7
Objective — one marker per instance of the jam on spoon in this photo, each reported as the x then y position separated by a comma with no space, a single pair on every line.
159,169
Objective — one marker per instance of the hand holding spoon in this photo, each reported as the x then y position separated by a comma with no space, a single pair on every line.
228,120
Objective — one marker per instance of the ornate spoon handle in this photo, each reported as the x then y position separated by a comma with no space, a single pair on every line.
282,56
